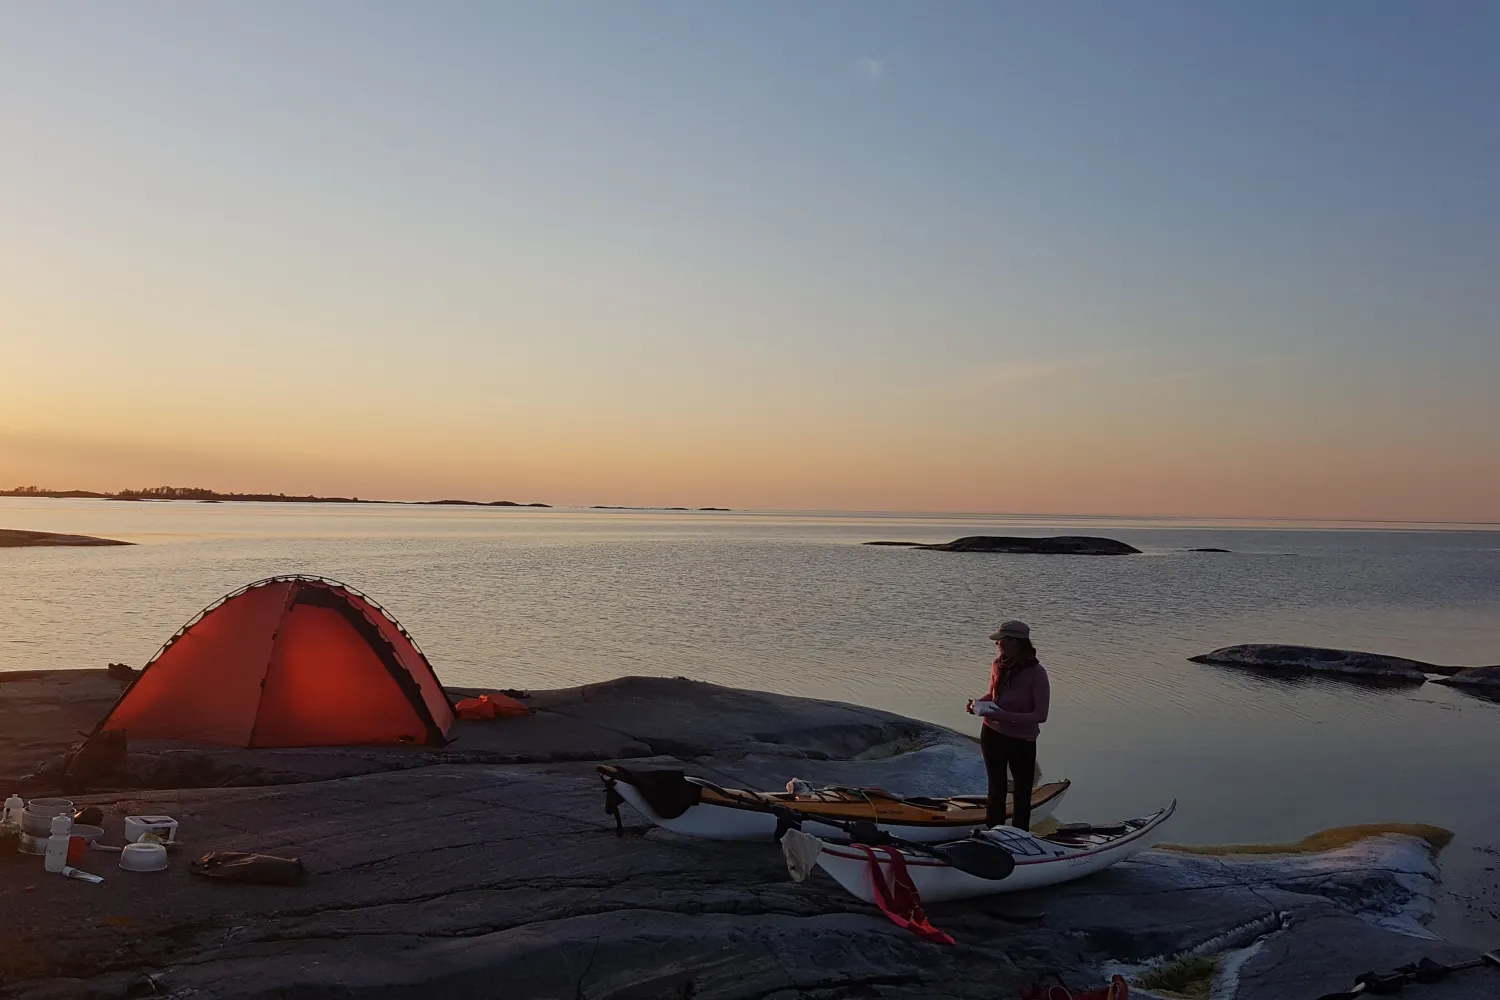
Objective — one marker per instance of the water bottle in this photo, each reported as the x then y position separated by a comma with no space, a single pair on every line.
57,844
12,815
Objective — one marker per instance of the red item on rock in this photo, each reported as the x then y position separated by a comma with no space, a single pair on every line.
490,706
899,901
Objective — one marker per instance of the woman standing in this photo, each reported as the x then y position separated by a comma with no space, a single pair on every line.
1013,712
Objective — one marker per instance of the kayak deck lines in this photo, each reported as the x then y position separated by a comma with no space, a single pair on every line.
1059,857
696,807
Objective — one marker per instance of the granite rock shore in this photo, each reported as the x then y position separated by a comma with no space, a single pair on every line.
489,868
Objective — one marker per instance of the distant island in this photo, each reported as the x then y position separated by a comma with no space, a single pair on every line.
1071,545
201,495
700,509
14,538
470,503
213,496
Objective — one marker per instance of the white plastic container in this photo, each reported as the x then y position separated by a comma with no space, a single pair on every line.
36,823
143,857
57,844
12,815
137,827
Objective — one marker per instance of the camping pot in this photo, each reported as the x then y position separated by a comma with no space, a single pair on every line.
36,823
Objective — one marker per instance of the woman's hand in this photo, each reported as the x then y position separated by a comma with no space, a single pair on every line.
970,707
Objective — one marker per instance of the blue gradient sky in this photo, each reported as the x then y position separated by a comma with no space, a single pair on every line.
1165,258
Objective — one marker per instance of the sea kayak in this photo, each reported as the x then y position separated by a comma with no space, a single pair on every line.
699,808
1070,853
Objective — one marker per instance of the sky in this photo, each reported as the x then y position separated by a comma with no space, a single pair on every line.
1166,258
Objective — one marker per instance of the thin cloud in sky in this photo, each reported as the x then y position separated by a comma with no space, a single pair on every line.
870,68
1027,371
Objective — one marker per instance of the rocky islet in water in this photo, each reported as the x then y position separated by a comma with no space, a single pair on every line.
12,538
1482,680
1348,663
1071,545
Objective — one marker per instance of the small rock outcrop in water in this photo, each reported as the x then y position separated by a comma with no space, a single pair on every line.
1067,545
1313,659
15,538
1482,679
1210,549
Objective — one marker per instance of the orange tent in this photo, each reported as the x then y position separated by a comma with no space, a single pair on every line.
291,661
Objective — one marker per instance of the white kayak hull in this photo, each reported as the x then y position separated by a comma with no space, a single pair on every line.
1053,863
714,822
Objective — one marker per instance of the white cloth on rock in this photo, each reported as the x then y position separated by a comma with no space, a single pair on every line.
801,852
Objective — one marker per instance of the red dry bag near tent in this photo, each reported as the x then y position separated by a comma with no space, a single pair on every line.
490,706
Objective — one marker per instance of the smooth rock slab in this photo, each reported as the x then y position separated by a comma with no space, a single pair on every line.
1373,667
11,538
453,879
461,877
623,718
42,713
1483,681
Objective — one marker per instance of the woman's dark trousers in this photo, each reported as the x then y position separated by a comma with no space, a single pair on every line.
1001,751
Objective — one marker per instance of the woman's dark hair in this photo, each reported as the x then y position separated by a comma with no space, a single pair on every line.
1027,656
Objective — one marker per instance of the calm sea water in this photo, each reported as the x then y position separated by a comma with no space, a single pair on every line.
793,603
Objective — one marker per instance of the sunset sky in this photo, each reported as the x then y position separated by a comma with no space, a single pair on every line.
1163,258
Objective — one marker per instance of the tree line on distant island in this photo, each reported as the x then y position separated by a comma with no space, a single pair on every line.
212,496
202,495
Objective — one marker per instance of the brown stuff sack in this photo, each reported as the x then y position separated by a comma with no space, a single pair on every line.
89,816
100,755
262,869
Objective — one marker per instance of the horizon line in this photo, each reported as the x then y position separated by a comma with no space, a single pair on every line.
37,493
